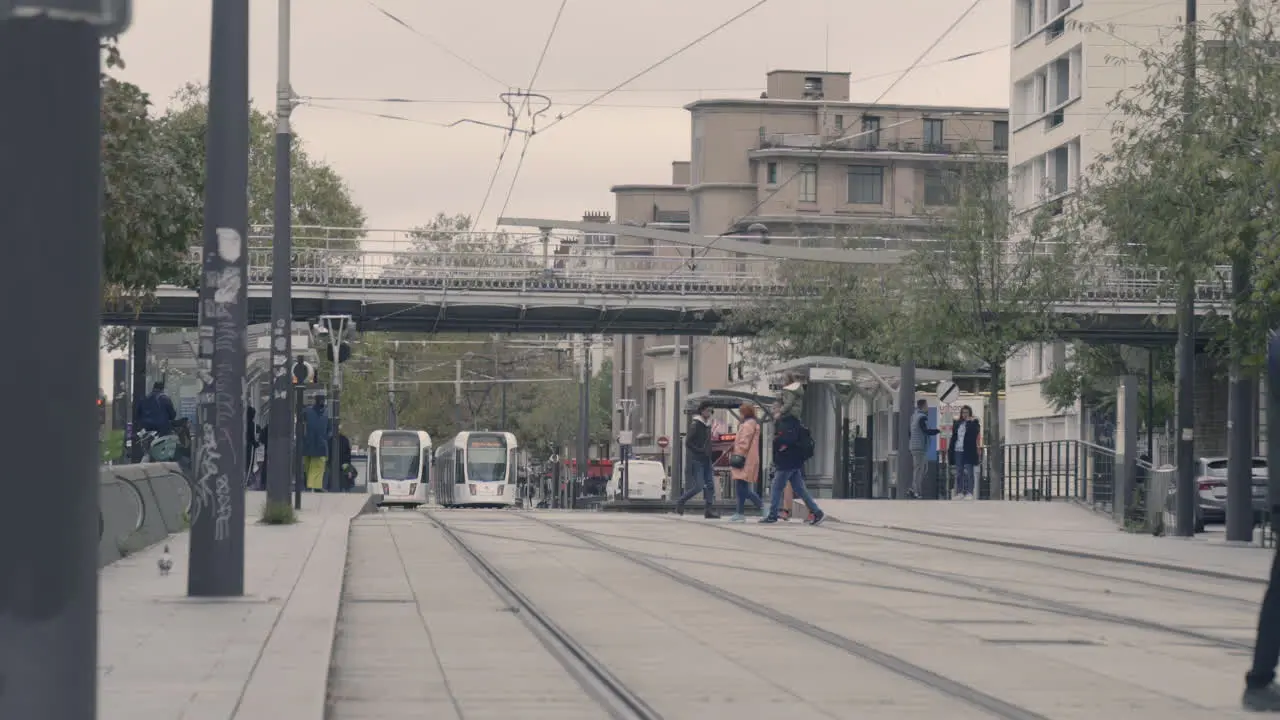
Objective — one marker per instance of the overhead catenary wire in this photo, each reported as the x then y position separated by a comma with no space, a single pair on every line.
670,56
524,107
823,149
433,41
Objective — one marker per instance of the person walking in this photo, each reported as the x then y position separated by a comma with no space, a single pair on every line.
916,443
697,446
155,412
962,452
744,461
790,402
348,475
315,444
1261,694
791,448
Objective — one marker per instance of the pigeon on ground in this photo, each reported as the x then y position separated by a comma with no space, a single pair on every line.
165,562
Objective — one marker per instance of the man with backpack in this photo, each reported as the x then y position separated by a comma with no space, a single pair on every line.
155,412
792,447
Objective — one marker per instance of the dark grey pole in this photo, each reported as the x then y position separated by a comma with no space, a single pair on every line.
280,407
141,338
335,468
299,431
1186,377
217,508
906,406
677,412
1243,390
583,412
50,220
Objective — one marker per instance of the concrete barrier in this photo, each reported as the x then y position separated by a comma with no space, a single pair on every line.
140,505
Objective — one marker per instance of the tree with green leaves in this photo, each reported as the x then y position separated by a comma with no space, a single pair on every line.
986,283
1091,377
151,210
833,310
1191,195
321,198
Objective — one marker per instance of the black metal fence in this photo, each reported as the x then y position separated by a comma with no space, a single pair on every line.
1048,470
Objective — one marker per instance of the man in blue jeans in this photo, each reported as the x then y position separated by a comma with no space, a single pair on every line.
697,449
788,467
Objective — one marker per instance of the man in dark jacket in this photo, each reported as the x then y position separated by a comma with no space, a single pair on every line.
788,467
697,449
315,444
155,412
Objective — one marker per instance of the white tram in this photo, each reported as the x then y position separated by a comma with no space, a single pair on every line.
399,467
476,469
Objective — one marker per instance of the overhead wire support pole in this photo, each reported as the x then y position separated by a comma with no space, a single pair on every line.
279,469
1186,315
217,504
1242,392
50,179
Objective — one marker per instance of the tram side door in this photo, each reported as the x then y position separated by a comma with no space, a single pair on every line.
425,474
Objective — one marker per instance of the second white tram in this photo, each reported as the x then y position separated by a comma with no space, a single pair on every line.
399,467
476,469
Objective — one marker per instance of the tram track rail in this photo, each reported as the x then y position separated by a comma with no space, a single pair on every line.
867,532
595,678
993,705
1040,603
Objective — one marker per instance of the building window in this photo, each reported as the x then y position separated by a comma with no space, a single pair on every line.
1000,135
840,123
932,133
650,410
866,185
771,173
808,183
871,131
939,187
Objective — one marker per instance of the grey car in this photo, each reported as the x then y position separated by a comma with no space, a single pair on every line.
1211,490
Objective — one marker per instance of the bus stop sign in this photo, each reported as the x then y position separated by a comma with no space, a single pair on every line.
111,17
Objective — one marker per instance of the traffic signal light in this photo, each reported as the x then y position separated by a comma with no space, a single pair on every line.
344,352
102,410
304,372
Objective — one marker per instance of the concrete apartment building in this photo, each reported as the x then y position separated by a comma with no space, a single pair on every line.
779,160
1068,61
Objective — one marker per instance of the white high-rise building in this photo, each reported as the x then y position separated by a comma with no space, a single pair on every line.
1069,60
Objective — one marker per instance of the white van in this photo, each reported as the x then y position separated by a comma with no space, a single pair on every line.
646,480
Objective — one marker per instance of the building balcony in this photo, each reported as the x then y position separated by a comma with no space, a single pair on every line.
881,144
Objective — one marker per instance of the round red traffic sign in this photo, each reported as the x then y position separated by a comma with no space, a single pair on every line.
663,442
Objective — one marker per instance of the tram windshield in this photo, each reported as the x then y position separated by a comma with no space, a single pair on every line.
399,457
487,458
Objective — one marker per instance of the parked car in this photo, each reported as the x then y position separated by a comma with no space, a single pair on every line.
1211,491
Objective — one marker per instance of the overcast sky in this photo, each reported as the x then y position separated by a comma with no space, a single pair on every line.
405,172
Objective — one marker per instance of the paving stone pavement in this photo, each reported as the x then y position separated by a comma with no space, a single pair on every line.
1056,525
422,635
163,656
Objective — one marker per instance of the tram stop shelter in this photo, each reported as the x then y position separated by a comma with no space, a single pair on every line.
838,388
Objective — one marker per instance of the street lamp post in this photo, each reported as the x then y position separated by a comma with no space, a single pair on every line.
280,412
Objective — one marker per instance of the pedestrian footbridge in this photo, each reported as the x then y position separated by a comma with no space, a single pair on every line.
571,277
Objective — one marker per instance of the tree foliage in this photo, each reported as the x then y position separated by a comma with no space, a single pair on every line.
151,211
1092,376
1189,193
987,283
832,310
320,196
538,413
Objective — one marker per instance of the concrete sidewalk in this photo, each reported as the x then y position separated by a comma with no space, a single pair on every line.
1056,526
163,656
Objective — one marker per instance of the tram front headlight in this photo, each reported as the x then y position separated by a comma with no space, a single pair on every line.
501,488
413,488
472,486
386,488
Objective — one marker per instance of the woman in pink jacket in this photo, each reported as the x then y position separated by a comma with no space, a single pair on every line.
744,461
